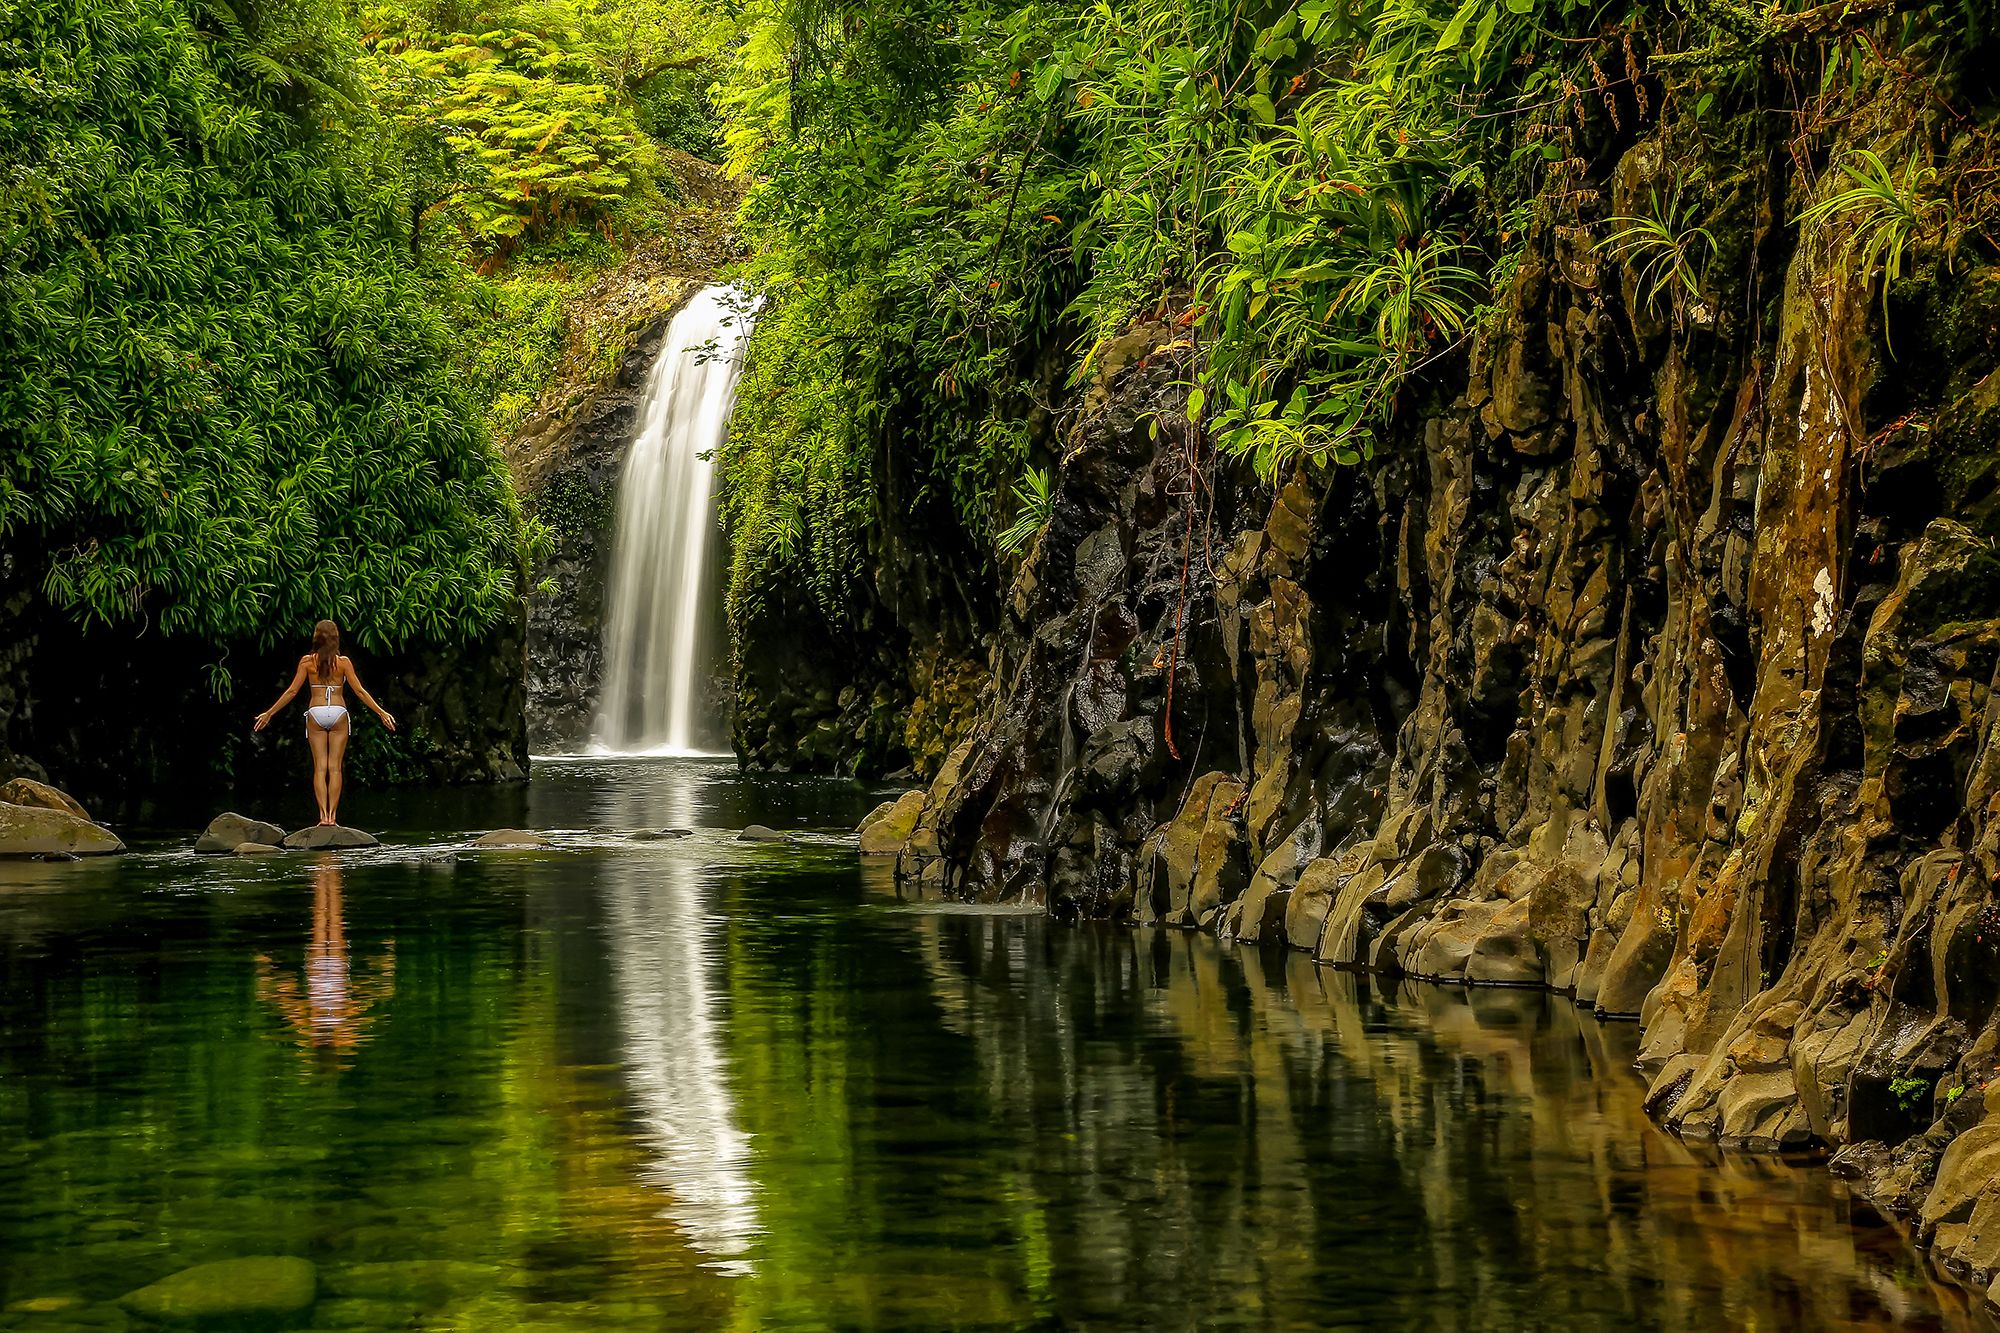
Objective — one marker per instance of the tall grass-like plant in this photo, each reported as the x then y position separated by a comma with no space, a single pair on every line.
1668,253
1887,215
1035,502
1414,296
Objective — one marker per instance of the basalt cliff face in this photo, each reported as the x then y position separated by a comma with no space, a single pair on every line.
1654,663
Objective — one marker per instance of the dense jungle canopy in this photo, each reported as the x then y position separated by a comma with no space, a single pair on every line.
277,276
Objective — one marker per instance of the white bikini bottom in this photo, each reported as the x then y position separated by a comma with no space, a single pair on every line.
327,716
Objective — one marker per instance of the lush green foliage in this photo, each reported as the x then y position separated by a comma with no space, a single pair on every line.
1321,199
914,233
520,119
1667,251
228,406
272,280
525,136
952,196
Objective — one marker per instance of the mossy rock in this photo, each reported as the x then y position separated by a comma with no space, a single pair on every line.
890,824
248,1290
27,830
27,791
229,830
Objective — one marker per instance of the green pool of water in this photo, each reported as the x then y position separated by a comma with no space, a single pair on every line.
706,1084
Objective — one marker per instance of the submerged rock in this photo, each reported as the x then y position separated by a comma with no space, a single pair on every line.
889,825
46,1304
41,796
320,837
229,830
262,1287
438,861
513,837
257,848
662,834
760,833
27,830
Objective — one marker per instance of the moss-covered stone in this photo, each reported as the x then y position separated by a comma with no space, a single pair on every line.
257,1289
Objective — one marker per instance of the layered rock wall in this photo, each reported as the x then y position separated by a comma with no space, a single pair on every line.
1654,663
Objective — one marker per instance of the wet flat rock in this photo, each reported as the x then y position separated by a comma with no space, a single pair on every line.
320,837
229,830
258,1288
760,833
513,837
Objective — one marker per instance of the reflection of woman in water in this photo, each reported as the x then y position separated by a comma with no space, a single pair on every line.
330,1013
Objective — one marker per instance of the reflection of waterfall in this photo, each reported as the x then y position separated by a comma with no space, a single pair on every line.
657,654
663,943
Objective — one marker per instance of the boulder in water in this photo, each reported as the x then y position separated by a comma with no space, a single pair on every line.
261,1288
28,830
760,833
320,837
890,824
257,848
229,830
40,796
662,834
513,837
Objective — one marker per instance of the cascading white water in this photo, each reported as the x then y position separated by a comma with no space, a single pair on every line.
657,652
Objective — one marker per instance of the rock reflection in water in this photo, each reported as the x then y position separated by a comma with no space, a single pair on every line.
1296,1144
663,941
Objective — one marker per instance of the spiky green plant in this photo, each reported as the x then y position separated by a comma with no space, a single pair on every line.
1035,501
1668,253
1888,216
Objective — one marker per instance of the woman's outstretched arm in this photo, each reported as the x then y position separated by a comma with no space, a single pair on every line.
298,679
388,720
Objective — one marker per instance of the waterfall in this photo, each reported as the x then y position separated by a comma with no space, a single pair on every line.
660,595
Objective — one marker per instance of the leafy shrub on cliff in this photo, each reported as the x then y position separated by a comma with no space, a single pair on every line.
227,407
914,220
964,193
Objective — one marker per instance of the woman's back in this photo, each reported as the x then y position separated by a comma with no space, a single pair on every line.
325,693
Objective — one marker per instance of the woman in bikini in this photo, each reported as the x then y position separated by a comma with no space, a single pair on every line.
328,675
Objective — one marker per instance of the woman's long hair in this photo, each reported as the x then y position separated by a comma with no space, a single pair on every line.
326,649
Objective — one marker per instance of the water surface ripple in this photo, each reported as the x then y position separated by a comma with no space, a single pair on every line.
697,1083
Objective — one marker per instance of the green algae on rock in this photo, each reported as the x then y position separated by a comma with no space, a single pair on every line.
27,830
889,825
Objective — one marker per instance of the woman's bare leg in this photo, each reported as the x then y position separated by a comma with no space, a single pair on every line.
336,756
318,740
